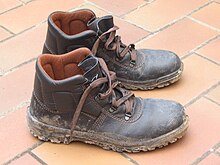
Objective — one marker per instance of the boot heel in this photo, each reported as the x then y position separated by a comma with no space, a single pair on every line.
47,132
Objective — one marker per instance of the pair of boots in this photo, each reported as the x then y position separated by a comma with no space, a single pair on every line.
76,97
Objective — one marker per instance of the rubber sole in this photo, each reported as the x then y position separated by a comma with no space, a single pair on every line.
152,84
54,134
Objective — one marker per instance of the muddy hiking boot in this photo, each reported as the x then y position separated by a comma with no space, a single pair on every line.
76,98
135,68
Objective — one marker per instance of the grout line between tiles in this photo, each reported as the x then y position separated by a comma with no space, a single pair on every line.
129,158
213,101
3,73
206,58
206,154
29,28
205,43
7,30
11,9
37,158
202,23
193,51
23,3
99,7
193,100
137,8
17,107
199,8
186,55
217,153
112,13
172,22
17,34
17,66
198,160
24,152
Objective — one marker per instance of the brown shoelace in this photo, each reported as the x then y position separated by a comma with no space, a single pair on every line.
114,43
110,76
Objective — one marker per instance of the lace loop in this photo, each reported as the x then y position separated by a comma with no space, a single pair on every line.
114,43
109,77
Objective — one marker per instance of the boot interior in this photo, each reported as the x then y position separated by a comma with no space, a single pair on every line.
72,22
59,67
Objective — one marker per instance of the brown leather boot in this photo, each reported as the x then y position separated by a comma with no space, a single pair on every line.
76,98
135,69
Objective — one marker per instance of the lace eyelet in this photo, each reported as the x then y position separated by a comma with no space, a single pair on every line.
111,109
132,63
127,116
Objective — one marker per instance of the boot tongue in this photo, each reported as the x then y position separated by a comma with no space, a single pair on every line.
91,67
101,25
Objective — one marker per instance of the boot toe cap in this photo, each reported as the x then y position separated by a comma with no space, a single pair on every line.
162,116
159,63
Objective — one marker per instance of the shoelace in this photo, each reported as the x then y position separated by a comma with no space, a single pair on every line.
114,43
110,76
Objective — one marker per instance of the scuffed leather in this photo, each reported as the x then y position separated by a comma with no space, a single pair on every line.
150,64
154,117
54,102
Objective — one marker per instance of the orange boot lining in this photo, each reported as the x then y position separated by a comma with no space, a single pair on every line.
59,67
72,22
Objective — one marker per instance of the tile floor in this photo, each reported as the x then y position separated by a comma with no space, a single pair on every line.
189,28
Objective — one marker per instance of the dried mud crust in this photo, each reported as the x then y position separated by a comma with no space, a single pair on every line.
109,142
157,83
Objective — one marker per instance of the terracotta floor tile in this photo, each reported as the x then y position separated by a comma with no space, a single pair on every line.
199,138
97,11
209,14
178,39
161,12
33,13
25,1
211,160
189,86
14,135
16,87
78,152
8,4
26,46
118,7
135,33
215,94
4,34
211,50
27,159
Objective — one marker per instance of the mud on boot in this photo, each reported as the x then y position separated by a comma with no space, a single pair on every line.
76,98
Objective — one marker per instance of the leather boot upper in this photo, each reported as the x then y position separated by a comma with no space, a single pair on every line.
81,28
76,91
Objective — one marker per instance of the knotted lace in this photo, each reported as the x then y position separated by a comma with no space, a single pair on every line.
126,98
114,43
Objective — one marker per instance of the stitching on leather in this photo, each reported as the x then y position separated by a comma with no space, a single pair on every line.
55,105
101,121
42,105
88,115
98,122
